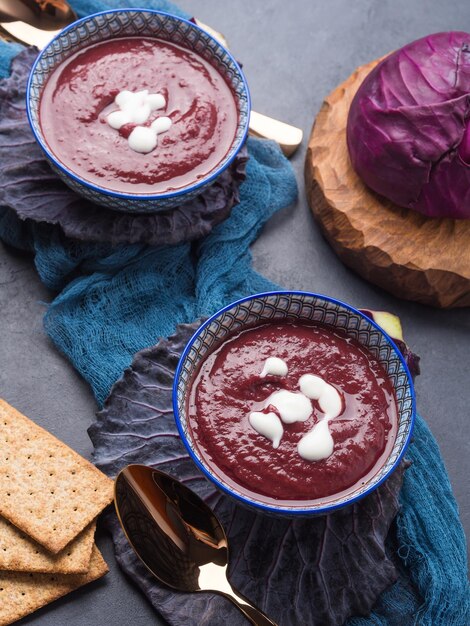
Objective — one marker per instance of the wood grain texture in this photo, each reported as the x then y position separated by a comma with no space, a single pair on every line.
402,251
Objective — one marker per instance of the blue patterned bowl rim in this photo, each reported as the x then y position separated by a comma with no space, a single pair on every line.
268,508
171,194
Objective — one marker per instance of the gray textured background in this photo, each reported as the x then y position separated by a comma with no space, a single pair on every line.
293,53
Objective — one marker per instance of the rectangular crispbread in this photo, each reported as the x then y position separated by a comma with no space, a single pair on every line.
46,489
20,553
22,593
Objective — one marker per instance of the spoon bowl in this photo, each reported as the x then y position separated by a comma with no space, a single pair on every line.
49,15
176,535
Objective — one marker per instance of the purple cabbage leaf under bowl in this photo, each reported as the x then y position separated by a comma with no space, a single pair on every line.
293,403
137,110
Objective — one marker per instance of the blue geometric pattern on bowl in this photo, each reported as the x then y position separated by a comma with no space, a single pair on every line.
296,306
128,23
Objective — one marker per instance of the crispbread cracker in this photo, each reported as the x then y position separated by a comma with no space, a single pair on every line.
22,593
46,489
20,553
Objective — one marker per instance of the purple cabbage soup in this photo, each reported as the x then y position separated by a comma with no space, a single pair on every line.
138,115
292,412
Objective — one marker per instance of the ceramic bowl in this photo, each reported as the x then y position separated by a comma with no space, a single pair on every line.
296,306
146,23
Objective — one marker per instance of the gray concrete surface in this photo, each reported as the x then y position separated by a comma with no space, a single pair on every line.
294,53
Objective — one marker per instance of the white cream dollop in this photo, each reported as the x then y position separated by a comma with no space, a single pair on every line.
142,139
292,406
328,397
312,386
275,366
161,125
318,443
136,108
268,425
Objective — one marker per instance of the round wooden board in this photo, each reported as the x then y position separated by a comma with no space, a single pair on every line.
406,253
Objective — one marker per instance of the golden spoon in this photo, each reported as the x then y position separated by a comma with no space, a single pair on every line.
44,14
176,535
36,22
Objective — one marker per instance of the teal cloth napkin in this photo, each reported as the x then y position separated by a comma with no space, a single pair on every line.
113,302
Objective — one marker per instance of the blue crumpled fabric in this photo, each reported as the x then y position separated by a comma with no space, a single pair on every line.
112,302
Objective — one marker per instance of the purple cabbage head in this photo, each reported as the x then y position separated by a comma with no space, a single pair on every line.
408,128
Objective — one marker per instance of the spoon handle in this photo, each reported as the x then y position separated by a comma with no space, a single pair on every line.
287,136
254,615
30,35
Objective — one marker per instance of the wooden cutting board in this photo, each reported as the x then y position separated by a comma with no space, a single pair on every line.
402,251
